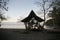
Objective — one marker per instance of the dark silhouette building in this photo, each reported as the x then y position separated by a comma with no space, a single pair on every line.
32,21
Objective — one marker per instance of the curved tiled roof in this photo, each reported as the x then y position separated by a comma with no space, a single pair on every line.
31,15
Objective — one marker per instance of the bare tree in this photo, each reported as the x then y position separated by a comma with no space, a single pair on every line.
45,5
3,7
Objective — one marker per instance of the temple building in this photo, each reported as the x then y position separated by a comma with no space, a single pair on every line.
32,21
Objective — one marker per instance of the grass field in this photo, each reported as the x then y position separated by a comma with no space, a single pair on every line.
21,34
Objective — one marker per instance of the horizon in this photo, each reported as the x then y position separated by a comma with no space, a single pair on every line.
19,9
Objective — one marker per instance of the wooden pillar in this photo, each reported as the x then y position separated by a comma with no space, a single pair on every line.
38,25
26,25
0,22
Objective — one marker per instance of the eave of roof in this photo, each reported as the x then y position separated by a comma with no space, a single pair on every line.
31,15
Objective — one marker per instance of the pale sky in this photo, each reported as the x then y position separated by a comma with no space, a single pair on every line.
20,8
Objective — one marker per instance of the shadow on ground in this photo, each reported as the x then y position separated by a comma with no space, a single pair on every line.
21,34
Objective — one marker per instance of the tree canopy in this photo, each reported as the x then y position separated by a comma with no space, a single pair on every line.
55,13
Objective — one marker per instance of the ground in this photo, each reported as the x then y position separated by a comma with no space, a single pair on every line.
21,34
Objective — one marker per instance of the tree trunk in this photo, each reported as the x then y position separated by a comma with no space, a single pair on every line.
44,11
44,16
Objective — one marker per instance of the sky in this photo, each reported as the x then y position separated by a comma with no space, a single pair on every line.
19,9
